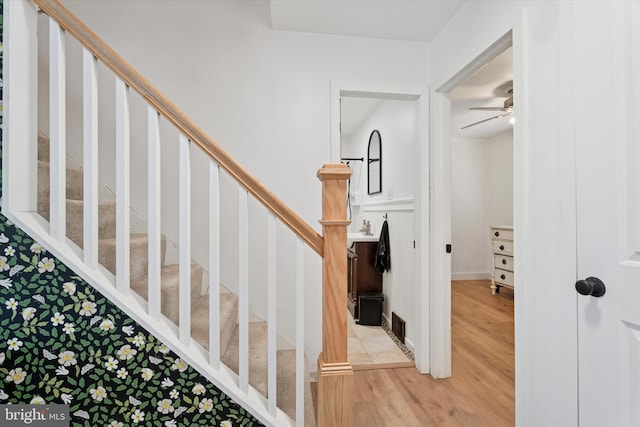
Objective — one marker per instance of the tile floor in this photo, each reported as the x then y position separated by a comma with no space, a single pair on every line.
370,346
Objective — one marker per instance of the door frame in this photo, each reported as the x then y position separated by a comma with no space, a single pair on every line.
421,343
440,139
441,214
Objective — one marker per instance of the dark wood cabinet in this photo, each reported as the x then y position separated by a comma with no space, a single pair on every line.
362,275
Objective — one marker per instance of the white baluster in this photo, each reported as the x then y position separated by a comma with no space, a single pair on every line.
90,149
243,289
155,228
185,241
123,229
271,314
57,127
214,264
299,332
20,115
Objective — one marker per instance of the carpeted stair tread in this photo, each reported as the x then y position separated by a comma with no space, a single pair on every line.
43,147
170,278
75,215
285,368
200,320
138,255
228,319
74,188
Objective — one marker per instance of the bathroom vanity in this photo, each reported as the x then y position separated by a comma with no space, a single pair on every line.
362,276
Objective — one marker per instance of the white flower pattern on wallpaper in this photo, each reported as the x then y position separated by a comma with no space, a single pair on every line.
67,358
4,266
62,342
16,376
69,288
12,304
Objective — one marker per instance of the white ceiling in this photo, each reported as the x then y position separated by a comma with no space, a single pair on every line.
412,20
416,20
485,88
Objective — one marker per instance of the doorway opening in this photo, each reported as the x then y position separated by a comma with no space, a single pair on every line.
481,194
378,135
442,231
481,147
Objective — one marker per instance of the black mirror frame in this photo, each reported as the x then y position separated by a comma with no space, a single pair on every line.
374,162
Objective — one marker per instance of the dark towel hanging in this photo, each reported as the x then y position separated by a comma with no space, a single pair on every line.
383,254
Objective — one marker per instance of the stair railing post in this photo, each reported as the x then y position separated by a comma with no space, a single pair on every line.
335,374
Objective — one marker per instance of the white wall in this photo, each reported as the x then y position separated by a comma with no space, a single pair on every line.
263,94
499,170
395,120
481,196
469,206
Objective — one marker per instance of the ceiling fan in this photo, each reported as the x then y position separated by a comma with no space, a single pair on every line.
505,110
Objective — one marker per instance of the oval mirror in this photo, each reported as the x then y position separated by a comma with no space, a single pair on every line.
374,161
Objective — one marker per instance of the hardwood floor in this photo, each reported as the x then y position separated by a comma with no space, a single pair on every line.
481,389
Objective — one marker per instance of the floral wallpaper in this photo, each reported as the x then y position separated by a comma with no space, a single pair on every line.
61,341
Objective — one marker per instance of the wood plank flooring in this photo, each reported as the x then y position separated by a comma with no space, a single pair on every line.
481,389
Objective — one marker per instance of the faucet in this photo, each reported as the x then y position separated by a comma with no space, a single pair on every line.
366,227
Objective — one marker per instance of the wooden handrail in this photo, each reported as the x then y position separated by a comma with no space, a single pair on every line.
72,25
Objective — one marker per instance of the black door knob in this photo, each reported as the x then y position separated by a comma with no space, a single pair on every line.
591,286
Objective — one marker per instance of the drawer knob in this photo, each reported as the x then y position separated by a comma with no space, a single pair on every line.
502,247
591,286
502,276
497,234
504,261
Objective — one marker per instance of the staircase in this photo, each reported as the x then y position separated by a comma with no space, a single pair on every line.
229,331
216,333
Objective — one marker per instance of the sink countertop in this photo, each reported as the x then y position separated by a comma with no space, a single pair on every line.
359,237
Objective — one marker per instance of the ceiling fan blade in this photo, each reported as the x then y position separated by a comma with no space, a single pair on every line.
486,120
491,108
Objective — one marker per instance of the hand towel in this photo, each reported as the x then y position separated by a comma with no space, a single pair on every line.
383,254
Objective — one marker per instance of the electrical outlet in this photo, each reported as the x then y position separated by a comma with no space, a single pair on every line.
356,198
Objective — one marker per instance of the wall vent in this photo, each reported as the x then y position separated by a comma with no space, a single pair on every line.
397,326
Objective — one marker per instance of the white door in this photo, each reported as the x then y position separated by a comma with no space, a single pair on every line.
606,97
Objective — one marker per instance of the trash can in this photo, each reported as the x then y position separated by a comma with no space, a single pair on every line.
370,308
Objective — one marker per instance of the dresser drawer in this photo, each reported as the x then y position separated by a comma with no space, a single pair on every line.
504,262
502,247
501,233
503,277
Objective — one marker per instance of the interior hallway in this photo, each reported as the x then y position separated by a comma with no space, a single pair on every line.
481,390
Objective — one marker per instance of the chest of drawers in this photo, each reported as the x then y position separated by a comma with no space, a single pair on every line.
502,252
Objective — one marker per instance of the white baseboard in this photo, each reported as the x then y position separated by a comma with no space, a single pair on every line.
470,276
386,319
410,345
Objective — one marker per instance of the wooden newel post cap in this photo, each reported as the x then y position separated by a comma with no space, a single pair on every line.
338,171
